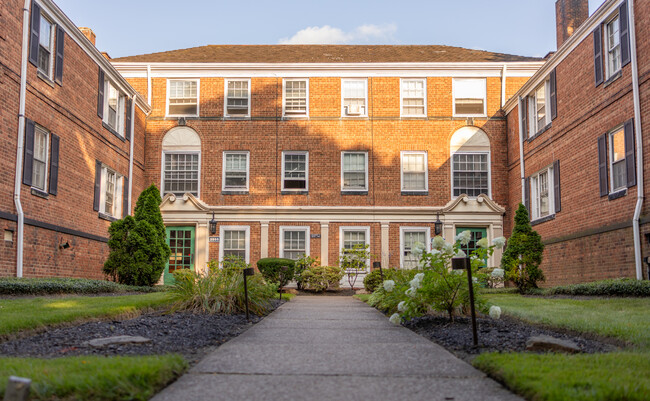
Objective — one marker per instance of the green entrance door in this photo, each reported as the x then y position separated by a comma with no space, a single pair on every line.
181,243
477,234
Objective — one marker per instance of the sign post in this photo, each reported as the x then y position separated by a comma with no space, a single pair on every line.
466,264
247,272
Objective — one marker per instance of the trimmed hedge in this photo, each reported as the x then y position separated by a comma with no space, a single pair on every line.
271,269
43,286
624,287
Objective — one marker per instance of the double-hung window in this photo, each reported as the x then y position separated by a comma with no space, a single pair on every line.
351,237
354,171
41,160
114,108
235,170
613,46
470,97
410,237
414,97
235,242
542,197
354,97
183,97
39,169
238,98
414,171
181,173
45,46
296,97
295,171
110,202
471,174
294,242
617,166
539,108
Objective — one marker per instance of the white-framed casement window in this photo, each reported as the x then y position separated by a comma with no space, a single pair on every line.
294,242
617,165
46,46
413,97
414,171
236,167
541,193
539,108
235,241
354,171
110,201
612,46
114,101
470,97
351,236
183,97
40,162
471,173
181,172
296,97
238,98
354,97
409,238
295,171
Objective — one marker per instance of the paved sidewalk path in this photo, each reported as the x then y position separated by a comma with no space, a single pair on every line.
331,348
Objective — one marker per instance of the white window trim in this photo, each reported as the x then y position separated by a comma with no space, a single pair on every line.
365,109
533,129
50,73
296,152
402,231
534,195
162,170
225,99
47,157
401,97
223,170
121,107
342,229
489,160
284,99
198,97
426,169
366,160
117,196
610,157
453,97
306,229
223,229
608,73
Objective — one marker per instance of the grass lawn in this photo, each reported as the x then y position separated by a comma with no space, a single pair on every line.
50,311
93,377
362,297
621,375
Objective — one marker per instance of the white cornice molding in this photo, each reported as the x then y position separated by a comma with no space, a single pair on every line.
582,33
54,12
483,69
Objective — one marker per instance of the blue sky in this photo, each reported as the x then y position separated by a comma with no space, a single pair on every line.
129,27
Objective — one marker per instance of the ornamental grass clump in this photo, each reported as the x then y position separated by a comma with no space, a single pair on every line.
220,290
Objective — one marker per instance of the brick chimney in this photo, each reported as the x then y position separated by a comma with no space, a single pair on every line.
569,15
89,34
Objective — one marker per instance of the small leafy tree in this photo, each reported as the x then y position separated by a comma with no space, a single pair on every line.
139,250
355,261
523,255
302,264
276,270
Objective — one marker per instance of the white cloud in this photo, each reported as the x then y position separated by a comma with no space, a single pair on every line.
333,36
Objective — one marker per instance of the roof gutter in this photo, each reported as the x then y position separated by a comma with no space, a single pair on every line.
639,145
20,222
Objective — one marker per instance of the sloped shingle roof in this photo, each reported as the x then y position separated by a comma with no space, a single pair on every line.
323,54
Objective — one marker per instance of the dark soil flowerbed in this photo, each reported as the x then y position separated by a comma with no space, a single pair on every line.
189,334
503,335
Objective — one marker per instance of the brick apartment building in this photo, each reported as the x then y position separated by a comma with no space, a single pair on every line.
283,150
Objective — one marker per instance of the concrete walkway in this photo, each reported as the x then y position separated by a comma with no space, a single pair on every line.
332,348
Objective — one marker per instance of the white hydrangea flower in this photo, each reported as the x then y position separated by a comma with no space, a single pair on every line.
395,318
483,242
435,252
473,257
401,306
460,254
389,285
448,248
464,238
410,292
499,242
419,276
495,312
418,249
438,242
498,273
415,283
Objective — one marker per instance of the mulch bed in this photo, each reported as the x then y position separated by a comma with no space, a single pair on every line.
503,335
189,334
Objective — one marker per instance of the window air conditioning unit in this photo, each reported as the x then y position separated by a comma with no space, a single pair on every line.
354,110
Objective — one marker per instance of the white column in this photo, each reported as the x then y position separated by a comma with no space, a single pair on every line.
385,245
497,231
264,240
201,248
324,242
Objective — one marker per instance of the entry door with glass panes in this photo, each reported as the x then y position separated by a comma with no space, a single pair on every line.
181,243
477,234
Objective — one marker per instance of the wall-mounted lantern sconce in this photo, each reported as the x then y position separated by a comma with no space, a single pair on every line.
213,225
438,224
